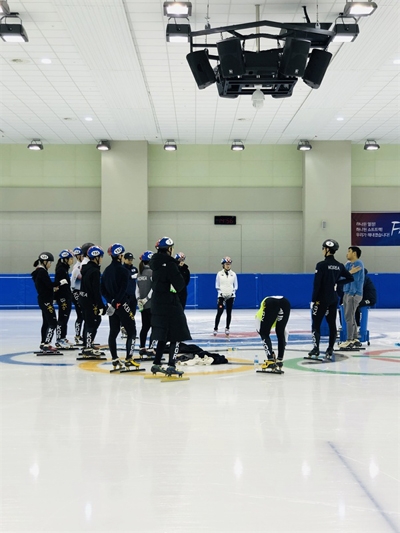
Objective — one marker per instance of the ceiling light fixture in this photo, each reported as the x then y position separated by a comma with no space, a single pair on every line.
35,144
371,145
237,145
304,146
177,9
10,32
104,146
4,7
345,33
178,33
170,146
359,9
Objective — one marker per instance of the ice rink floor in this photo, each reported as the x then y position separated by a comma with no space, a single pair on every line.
231,450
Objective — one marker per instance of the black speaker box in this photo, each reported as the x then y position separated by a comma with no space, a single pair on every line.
316,68
201,69
262,63
231,58
294,57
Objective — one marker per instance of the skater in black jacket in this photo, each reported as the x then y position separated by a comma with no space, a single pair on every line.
328,274
114,287
184,270
168,320
63,296
90,298
45,291
369,296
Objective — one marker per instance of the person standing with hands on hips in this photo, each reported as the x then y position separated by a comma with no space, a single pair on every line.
226,284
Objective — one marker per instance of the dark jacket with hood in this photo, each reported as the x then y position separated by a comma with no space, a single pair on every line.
168,320
43,284
115,283
62,281
90,294
329,274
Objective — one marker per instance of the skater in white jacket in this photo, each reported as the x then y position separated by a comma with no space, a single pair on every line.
226,284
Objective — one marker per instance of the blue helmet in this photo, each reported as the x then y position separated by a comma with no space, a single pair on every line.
95,251
180,256
146,256
226,260
77,251
116,249
164,242
66,254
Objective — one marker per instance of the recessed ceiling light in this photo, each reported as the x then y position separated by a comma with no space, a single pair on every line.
340,118
88,119
46,61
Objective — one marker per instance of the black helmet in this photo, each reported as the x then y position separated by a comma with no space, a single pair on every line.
46,256
128,256
85,247
332,245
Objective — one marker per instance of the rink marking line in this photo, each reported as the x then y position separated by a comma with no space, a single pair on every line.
9,358
383,513
296,364
94,366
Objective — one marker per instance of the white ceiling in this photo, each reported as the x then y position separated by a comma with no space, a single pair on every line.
110,61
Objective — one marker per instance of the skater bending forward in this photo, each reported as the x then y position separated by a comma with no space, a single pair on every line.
168,320
274,310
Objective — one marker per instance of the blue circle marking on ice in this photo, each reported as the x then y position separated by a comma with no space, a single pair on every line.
9,358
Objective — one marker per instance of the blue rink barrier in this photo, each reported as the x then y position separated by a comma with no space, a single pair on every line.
17,291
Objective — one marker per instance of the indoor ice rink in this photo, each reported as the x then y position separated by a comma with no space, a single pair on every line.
230,450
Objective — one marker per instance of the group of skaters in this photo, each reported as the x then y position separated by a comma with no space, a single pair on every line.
159,290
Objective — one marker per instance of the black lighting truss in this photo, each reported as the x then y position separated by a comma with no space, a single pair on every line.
260,71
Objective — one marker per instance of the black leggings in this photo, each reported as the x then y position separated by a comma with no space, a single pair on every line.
320,310
146,325
221,305
49,321
275,309
79,313
64,310
92,317
123,316
172,352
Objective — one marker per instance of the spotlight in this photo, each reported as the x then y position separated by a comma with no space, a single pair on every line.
371,145
237,146
359,9
12,33
4,8
304,146
177,9
345,33
170,146
257,98
104,146
36,144
178,33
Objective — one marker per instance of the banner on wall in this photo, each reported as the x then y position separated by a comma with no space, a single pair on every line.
375,229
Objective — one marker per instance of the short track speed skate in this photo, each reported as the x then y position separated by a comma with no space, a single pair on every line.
172,374
46,349
131,366
90,354
271,367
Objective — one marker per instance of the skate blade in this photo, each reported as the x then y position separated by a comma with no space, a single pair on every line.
350,349
91,358
132,371
45,354
270,372
168,379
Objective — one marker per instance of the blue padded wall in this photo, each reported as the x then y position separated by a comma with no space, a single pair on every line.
18,291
